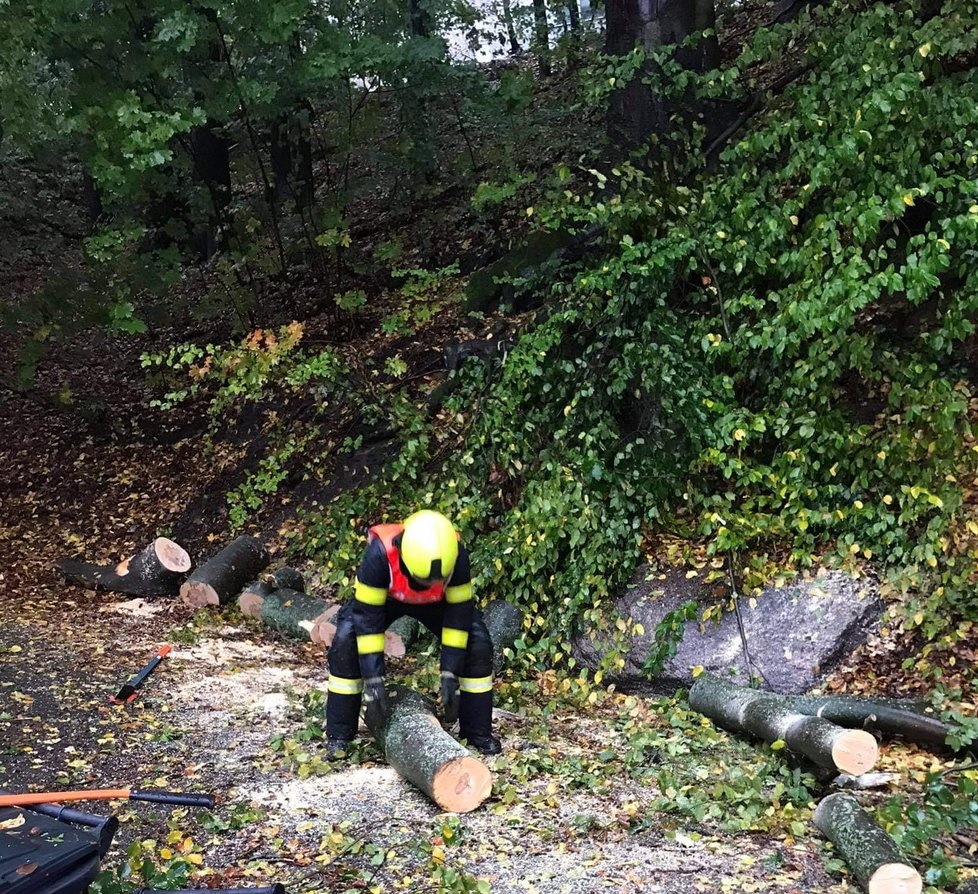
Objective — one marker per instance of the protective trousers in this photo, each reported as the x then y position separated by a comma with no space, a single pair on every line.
345,685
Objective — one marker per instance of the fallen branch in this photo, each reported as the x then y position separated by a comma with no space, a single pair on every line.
772,718
417,747
870,853
293,613
221,578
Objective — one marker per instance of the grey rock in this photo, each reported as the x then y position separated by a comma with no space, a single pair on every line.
795,634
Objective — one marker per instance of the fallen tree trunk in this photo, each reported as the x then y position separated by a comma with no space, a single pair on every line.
890,717
504,622
772,719
286,578
870,853
292,613
221,578
415,745
155,571
401,635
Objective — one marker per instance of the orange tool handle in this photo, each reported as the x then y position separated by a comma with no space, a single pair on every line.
27,798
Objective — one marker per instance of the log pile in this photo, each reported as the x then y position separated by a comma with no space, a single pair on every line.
156,570
417,747
870,853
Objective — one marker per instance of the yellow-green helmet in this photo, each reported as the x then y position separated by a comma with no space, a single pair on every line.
429,546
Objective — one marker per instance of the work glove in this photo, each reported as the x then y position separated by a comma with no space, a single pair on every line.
375,702
449,697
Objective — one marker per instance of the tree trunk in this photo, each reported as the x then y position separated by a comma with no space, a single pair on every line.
220,579
292,613
415,745
306,180
870,853
772,719
514,44
574,15
163,561
280,149
212,161
419,19
541,36
636,114
505,623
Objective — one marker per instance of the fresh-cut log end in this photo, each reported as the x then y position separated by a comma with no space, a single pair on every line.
895,878
855,752
461,785
198,594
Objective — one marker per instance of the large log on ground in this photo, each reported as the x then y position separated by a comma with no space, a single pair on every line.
771,718
163,561
252,596
402,634
890,717
870,853
292,613
221,578
505,623
415,745
156,571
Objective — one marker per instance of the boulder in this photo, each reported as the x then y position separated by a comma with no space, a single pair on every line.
795,634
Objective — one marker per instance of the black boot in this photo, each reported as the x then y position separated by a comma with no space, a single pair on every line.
337,748
487,745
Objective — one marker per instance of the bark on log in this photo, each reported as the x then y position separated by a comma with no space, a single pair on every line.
870,853
252,596
505,623
415,745
163,561
285,579
221,578
772,718
292,613
401,635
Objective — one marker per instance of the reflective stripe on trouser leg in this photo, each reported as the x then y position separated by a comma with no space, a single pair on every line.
342,705
475,684
475,699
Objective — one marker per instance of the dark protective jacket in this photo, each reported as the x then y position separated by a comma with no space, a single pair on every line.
381,575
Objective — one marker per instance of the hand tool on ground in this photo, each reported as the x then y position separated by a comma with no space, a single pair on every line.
26,799
130,692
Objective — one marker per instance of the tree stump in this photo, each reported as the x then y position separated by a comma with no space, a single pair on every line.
221,578
417,747
870,853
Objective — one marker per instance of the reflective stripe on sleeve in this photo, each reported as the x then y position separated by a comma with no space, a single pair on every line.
345,685
457,639
460,593
475,684
370,643
369,595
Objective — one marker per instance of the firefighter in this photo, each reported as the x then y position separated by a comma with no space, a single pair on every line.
420,569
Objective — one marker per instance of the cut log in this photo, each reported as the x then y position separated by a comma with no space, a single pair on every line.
325,629
870,853
505,623
285,579
889,717
292,613
252,597
415,745
772,719
162,560
402,634
221,578
156,571
908,718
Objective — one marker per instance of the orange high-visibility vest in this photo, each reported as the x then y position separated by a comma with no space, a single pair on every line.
400,585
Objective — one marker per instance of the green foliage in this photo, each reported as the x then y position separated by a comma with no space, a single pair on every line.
949,803
668,635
